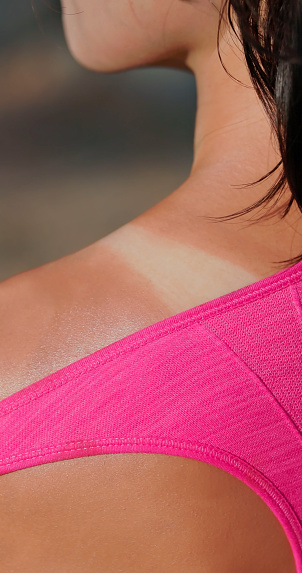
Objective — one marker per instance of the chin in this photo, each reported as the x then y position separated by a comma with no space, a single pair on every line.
99,62
84,59
94,60
106,52
79,53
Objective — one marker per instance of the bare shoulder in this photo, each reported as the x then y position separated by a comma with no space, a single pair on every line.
130,512
62,311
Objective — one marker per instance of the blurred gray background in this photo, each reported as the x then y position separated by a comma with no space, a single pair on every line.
81,153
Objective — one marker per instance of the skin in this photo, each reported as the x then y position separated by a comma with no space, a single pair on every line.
178,514
233,141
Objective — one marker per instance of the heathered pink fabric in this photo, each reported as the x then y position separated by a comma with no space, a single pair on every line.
220,383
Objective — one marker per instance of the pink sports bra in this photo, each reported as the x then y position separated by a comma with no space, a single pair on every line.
220,383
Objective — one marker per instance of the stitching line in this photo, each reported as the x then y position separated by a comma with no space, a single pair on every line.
169,329
214,452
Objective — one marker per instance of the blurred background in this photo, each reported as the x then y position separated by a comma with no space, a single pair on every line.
81,153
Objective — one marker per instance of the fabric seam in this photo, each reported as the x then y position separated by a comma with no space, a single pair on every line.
249,370
214,452
66,377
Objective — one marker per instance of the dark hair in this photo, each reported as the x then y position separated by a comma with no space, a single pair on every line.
271,37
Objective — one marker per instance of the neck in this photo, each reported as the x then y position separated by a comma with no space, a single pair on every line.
233,145
231,128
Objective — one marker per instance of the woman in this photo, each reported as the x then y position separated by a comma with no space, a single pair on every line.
173,338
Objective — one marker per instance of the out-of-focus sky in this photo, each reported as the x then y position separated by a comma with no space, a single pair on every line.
81,152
